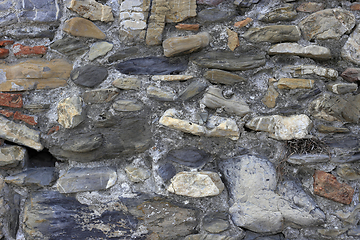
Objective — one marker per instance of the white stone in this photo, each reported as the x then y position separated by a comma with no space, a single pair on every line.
133,25
311,51
130,4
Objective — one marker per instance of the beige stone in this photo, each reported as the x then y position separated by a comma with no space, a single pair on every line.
180,10
233,39
156,22
137,174
196,184
311,51
127,105
81,27
171,77
130,83
342,88
223,77
11,155
92,10
70,112
34,74
301,70
187,44
294,83
99,49
271,95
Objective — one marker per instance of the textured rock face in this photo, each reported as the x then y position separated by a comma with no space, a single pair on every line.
191,157
297,71
273,34
188,44
70,112
293,83
223,77
11,155
283,13
92,10
349,50
89,75
311,51
81,27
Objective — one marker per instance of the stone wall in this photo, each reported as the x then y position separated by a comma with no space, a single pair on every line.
174,119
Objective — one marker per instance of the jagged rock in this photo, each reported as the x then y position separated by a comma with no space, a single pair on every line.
92,10
171,77
160,94
100,95
20,134
127,105
216,222
342,88
12,155
99,49
301,70
82,143
81,27
271,95
89,75
283,13
273,34
211,15
70,112
180,10
310,7
34,74
301,159
186,44
213,98
223,77
327,24
293,83
137,174
41,177
311,51
190,157
350,49
71,47
229,61
351,74
192,90
282,128
130,83
196,184
233,39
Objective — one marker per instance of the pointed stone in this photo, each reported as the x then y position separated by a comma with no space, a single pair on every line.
42,177
92,10
81,27
271,95
192,90
342,88
89,75
183,45
233,39
351,74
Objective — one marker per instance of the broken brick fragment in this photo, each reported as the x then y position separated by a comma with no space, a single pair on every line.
6,113
25,118
326,185
4,43
27,51
189,27
355,7
243,23
53,129
11,100
4,52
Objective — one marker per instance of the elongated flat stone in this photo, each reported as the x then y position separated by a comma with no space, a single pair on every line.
20,134
190,157
342,88
211,15
69,46
11,155
186,44
130,83
350,50
11,100
160,94
192,90
127,105
82,143
81,27
302,159
233,39
310,7
42,177
273,34
92,10
311,51
223,77
99,49
171,77
283,13
86,179
294,83
330,129
100,95
301,70
34,74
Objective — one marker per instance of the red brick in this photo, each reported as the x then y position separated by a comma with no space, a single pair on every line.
190,27
25,118
4,43
6,113
243,23
355,7
11,100
26,51
53,129
326,185
4,53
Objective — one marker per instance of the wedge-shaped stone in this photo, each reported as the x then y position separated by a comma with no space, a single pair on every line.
311,51
20,134
342,88
171,77
189,156
69,46
34,74
330,129
81,27
186,44
271,95
86,179
351,74
70,112
160,94
273,34
92,10
196,184
233,39
100,95
41,177
301,70
213,98
89,75
223,77
137,174
350,50
11,155
293,83
192,90
282,128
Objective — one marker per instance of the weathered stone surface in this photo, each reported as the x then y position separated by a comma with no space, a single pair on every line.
229,61
209,237
11,100
330,129
342,88
310,7
4,53
41,177
211,15
311,51
216,222
192,90
180,10
301,159
355,6
301,70
348,172
137,174
171,77
351,74
130,83
83,142
129,52
166,171
186,44
293,83
271,95
350,48
245,3
196,184
151,66
283,13
243,23
282,128
233,39
213,98
20,134
89,75
86,179
34,74
223,77
11,155
99,49
4,43
127,105
355,231
6,113
156,22
273,34
326,185
92,10
160,94
188,27
70,112
209,2
71,47
100,95
81,27
327,24
190,157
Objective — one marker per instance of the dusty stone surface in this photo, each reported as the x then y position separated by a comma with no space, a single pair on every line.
293,83
12,155
310,7
311,51
233,39
127,83
301,70
99,49
349,50
282,13
223,77
92,10
271,95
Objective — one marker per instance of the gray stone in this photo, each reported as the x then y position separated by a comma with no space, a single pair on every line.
327,24
127,105
12,155
41,177
190,157
130,83
301,70
186,44
229,61
99,49
86,179
350,49
137,174
309,94
245,3
71,47
311,51
216,222
70,112
100,95
354,232
209,237
41,11
89,75
342,88
310,7
348,172
301,159
82,143
283,13
211,15
122,54
192,90
273,34
209,2
160,94
223,77
166,171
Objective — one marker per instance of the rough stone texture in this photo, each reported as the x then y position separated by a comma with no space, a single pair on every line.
351,74
209,2
311,51
273,34
301,70
171,77
327,24
293,83
99,49
243,23
187,44
223,77
20,50
83,143
81,27
191,157
216,222
11,155
92,10
211,15
160,94
70,112
233,39
89,75
31,120
137,174
127,83
271,95
188,27
310,7
71,47
100,95
40,177
192,90
350,48
127,105
331,129
283,13
342,88
301,159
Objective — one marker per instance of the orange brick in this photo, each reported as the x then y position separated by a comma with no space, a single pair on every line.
26,51
53,129
25,118
190,27
11,100
4,43
243,23
6,113
4,52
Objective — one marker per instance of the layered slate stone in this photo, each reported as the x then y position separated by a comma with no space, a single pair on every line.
211,15
303,159
294,83
311,51
151,66
81,27
50,214
166,171
223,77
92,10
351,74
71,47
273,34
128,105
190,157
186,44
86,179
82,143
34,74
43,11
12,100
342,88
160,94
171,77
130,83
12,155
40,177
89,75
327,24
350,49
229,61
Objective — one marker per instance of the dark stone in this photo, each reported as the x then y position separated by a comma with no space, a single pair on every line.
354,232
192,90
39,11
351,74
166,171
223,77
309,94
341,141
89,75
51,215
83,142
120,55
245,3
191,157
216,222
211,15
152,66
41,177
290,109
71,47
258,236
8,19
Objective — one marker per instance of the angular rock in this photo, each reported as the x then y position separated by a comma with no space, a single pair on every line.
213,98
82,143
243,23
327,186
350,49
70,112
156,22
99,49
130,83
342,88
330,129
282,128
301,70
81,27
180,10
192,90
151,66
86,179
188,27
137,174
190,157
294,83
310,7
20,50
351,74
171,77
6,113
273,34
20,134
166,171
229,61
211,15
186,44
71,47
100,95
127,105
34,74
327,24
92,10
233,39
196,184
41,177
11,100
301,159
44,11
89,75
311,51
309,94
283,13
216,222
160,94
12,155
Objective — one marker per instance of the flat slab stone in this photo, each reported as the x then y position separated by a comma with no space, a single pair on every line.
186,44
294,83
160,94
282,13
193,89
223,77
81,27
89,75
92,10
311,51
82,143
130,83
100,95
171,77
211,15
342,88
190,157
127,105
99,49
69,46
273,34
301,159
